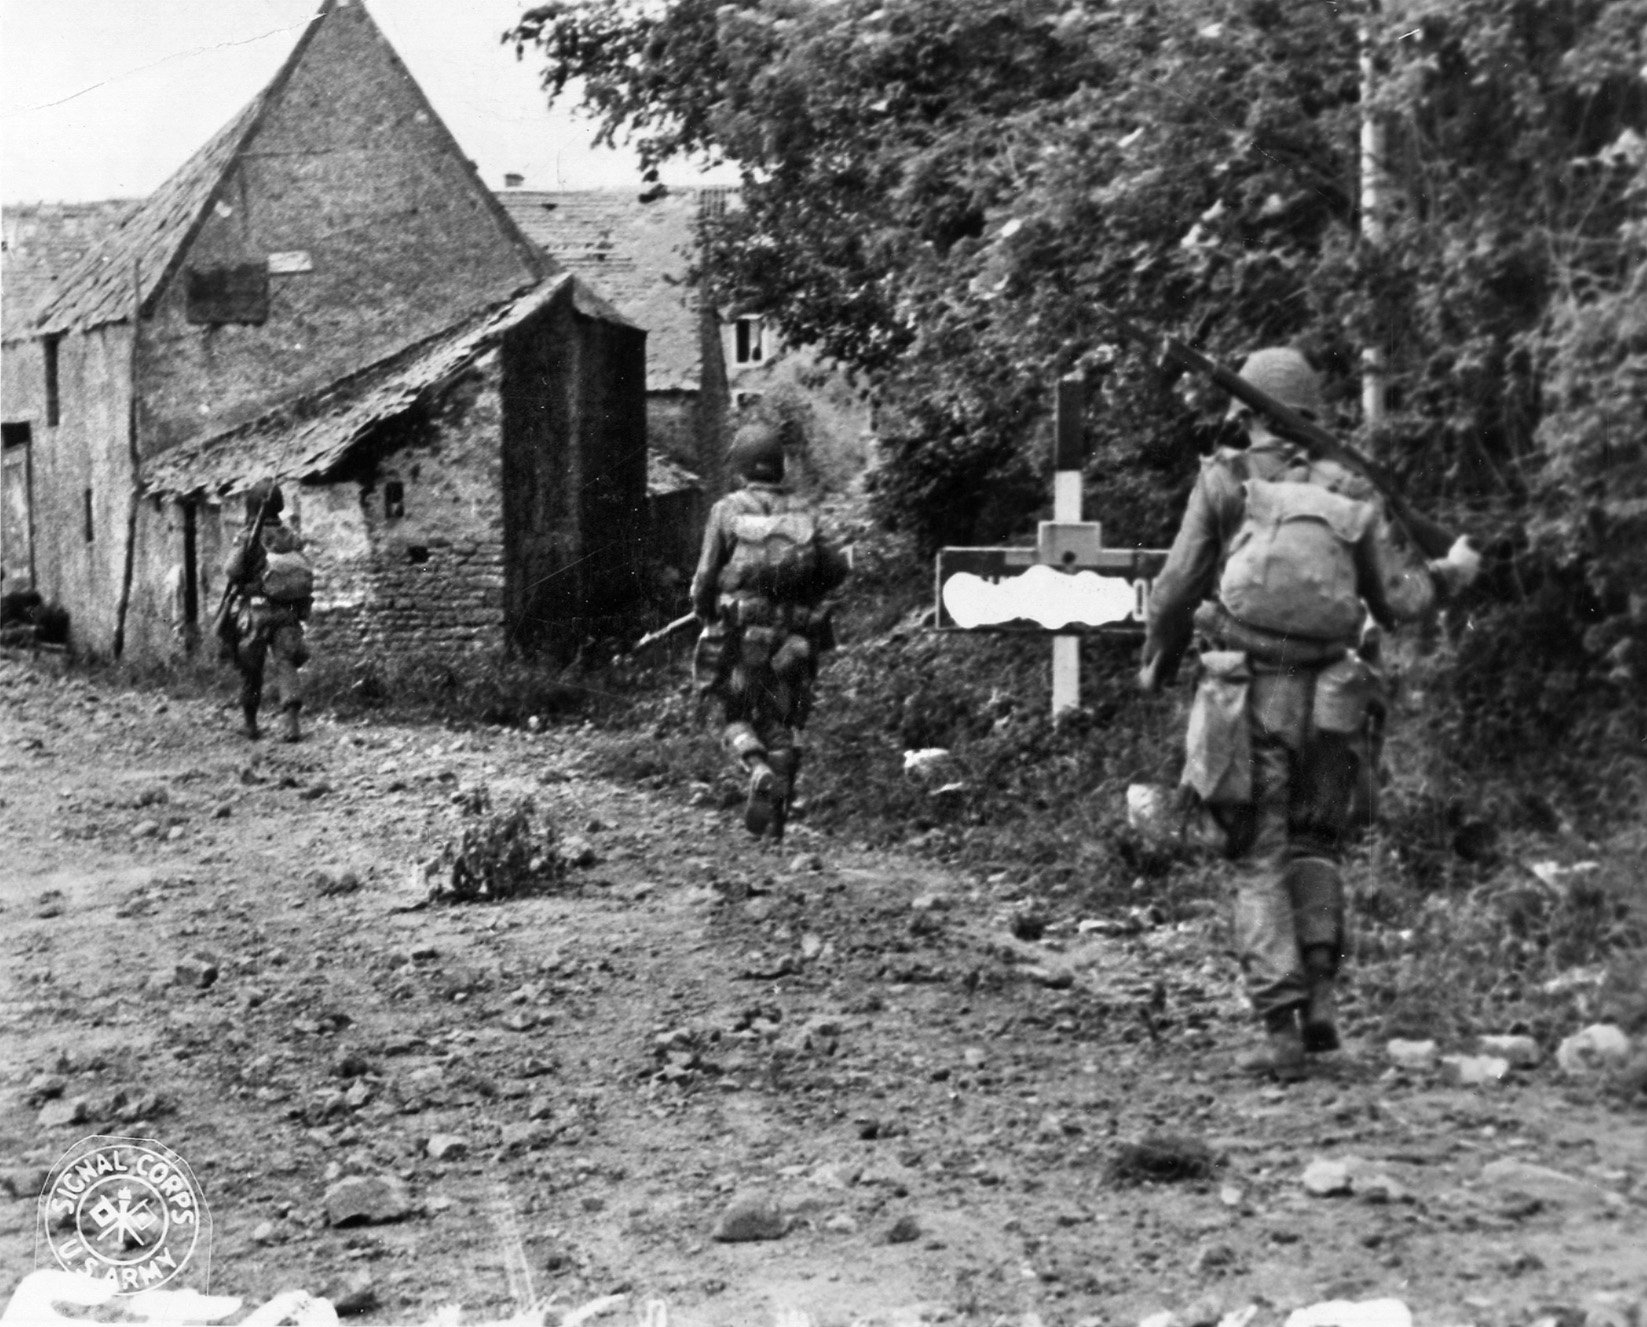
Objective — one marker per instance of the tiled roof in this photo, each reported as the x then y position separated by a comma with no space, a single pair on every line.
306,438
637,254
145,243
43,241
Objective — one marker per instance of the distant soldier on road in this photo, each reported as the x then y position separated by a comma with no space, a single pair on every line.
270,592
764,572
1278,561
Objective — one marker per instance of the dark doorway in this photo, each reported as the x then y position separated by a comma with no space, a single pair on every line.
191,574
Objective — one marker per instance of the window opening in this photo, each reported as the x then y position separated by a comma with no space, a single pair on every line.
237,293
91,532
394,500
191,571
748,345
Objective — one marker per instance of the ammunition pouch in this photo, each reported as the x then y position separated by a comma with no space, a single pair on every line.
1218,746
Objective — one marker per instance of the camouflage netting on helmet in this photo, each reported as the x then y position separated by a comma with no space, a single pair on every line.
1287,376
757,453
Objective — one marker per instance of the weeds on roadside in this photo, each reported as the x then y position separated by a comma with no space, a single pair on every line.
498,854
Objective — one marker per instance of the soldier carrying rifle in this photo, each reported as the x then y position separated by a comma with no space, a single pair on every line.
764,571
1281,555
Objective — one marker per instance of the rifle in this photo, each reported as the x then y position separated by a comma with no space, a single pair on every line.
220,619
1431,537
663,633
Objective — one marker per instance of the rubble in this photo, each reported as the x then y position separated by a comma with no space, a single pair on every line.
367,1200
1599,1046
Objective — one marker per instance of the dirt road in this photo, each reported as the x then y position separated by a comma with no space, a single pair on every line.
215,945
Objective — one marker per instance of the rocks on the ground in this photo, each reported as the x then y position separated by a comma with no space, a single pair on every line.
264,1233
331,881
1551,1188
447,1147
750,1217
1413,1055
1213,1259
575,850
905,1230
933,902
196,970
1474,1070
1345,1313
367,1200
63,1113
45,1087
1520,1051
842,1223
1597,1047
356,1293
804,862
522,1136
1327,1178
146,829
24,1181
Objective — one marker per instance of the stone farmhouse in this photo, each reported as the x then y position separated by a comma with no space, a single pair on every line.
326,293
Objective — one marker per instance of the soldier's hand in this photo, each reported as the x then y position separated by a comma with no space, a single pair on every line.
1461,565
1149,676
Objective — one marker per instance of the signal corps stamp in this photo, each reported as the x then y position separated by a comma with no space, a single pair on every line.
127,1211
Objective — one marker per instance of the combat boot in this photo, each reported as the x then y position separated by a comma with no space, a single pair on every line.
1282,1057
249,728
758,810
1320,1011
289,729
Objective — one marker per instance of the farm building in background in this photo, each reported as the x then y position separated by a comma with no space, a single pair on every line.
328,294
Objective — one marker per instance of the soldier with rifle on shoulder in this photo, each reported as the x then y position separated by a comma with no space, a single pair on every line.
1283,553
267,597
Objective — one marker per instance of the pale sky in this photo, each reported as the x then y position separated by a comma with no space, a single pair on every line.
106,98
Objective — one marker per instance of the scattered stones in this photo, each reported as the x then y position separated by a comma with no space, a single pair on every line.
842,1223
905,1230
1327,1179
329,882
1520,1051
45,1087
804,862
265,1233
49,904
367,1200
356,1294
750,1217
575,850
62,1114
197,970
1162,1157
1474,1070
1212,1259
1413,1055
146,829
522,1136
447,1147
1599,1046
1343,1313
1548,1187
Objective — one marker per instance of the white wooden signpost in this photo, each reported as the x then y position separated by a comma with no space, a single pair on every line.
1066,586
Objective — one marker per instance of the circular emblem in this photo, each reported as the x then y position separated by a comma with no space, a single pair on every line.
124,1210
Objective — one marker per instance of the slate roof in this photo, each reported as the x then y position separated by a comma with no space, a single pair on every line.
306,438
43,242
638,254
147,241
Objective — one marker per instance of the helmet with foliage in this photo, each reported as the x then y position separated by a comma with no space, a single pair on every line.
264,489
757,453
1286,375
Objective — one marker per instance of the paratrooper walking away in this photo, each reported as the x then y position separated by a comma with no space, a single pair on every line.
762,578
270,590
1277,564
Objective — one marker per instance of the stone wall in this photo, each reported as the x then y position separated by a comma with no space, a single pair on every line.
420,574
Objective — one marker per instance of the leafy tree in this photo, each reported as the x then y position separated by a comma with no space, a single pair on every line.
941,195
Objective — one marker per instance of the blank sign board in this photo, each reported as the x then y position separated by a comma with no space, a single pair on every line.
1009,589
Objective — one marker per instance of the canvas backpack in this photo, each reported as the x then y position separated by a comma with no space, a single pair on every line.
776,554
287,576
1291,566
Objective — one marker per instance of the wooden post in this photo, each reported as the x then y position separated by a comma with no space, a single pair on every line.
1069,454
1374,397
